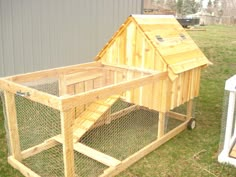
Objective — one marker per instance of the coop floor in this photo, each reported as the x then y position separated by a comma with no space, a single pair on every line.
119,139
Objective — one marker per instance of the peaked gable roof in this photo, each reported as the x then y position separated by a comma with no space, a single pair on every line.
169,39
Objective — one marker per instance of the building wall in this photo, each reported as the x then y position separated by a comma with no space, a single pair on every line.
36,35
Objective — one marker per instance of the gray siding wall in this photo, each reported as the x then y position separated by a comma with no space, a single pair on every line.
42,34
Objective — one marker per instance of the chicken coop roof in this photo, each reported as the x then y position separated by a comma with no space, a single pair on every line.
168,38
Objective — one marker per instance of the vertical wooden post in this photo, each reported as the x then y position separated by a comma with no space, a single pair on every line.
62,85
67,136
161,125
189,109
12,125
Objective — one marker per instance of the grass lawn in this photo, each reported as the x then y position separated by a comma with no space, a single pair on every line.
191,153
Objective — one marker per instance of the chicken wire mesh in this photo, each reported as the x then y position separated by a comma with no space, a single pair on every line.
112,126
129,129
37,123
171,123
5,121
125,134
224,120
47,85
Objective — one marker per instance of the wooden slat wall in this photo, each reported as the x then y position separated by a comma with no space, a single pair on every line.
185,87
131,47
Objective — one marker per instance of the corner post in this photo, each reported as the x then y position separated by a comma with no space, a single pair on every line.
67,136
189,109
10,107
161,125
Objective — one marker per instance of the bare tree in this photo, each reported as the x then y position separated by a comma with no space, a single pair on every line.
229,7
171,4
190,7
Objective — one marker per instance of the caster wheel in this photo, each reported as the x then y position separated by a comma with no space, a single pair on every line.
191,124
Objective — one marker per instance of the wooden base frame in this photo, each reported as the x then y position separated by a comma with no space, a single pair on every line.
112,171
67,102
115,166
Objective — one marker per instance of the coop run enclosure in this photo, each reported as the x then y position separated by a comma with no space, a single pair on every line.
98,118
228,128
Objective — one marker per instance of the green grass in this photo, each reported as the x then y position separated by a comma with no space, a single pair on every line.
194,153
191,153
5,169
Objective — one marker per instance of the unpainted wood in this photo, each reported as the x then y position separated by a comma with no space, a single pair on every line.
13,132
21,167
34,95
165,96
93,113
233,152
92,153
112,171
115,116
62,85
189,109
82,77
52,73
118,33
177,116
47,144
67,143
161,125
93,95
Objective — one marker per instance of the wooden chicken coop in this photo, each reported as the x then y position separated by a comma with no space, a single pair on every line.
98,118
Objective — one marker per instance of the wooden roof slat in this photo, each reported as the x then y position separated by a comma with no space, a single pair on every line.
177,52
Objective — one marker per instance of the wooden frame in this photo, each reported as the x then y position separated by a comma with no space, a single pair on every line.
66,103
12,125
115,166
150,62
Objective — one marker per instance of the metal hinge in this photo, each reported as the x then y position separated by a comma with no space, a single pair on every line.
23,94
159,38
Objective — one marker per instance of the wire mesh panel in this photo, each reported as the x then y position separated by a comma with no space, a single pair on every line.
224,119
36,122
124,135
87,167
47,85
5,121
89,130
227,145
176,116
48,163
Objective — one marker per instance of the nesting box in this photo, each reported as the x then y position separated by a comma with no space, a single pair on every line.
98,118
